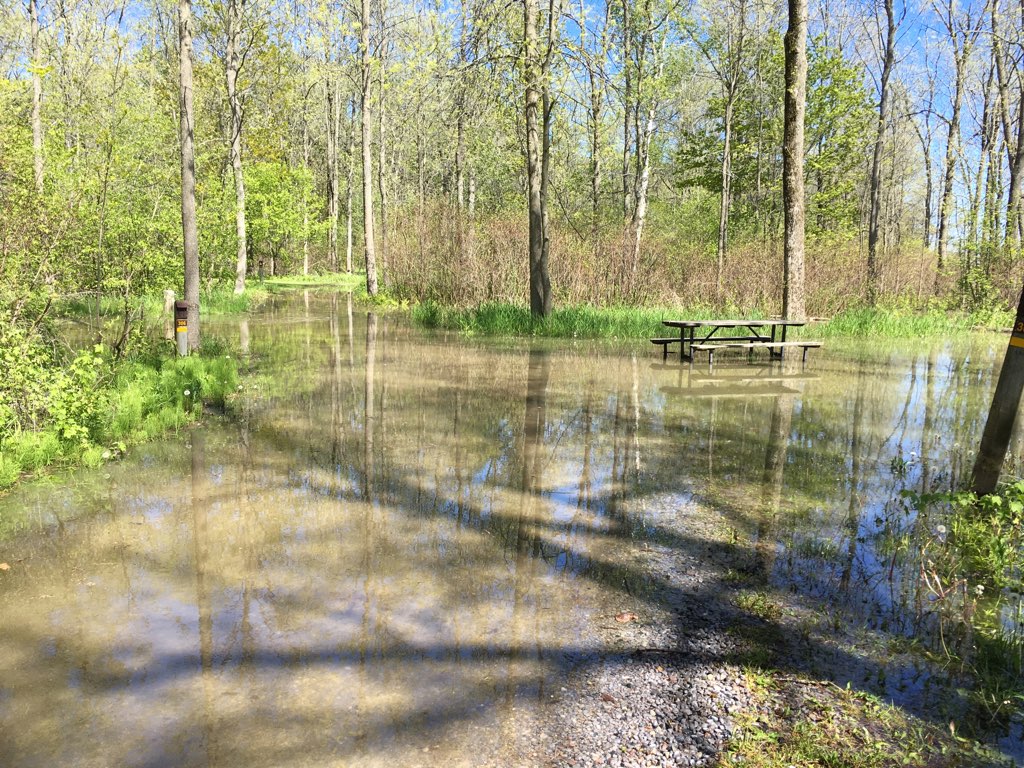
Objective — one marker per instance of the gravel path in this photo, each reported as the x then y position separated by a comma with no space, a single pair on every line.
666,696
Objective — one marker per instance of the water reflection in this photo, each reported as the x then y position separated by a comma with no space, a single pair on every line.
408,541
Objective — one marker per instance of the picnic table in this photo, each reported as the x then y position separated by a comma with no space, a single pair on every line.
704,336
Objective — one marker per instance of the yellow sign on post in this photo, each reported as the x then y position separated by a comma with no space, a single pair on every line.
181,327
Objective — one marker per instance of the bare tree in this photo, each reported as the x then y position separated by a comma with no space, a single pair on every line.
888,59
724,51
232,65
963,30
793,161
37,96
366,119
538,106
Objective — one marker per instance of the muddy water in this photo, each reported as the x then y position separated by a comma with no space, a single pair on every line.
406,543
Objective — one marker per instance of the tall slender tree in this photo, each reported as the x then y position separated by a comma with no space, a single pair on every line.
875,182
795,43
37,95
232,66
186,133
366,119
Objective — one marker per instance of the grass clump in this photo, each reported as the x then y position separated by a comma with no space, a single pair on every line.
347,280
93,408
215,299
591,322
905,322
800,723
581,321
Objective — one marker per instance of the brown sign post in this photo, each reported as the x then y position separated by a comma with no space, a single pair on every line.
181,327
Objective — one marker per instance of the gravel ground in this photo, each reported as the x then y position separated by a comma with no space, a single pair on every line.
666,696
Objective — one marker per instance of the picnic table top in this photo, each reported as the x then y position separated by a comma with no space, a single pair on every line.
729,323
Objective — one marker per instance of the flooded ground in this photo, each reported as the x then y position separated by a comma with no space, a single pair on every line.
408,543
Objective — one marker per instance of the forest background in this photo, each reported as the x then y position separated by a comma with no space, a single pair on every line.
416,141
662,126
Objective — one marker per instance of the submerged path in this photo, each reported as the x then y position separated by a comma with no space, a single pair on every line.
412,549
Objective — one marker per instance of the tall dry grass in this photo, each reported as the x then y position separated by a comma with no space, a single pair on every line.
457,262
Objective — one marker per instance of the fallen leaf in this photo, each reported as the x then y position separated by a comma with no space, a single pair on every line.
4,567
608,697
626,617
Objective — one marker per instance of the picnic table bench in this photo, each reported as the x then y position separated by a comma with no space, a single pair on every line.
701,336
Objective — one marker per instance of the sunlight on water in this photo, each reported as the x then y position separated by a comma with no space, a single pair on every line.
404,544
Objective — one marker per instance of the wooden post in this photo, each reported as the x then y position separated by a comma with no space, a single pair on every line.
1003,412
168,315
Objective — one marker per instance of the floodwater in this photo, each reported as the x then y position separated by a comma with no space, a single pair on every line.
407,542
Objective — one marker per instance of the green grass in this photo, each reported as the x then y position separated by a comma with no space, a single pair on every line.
502,319
219,299
585,322
806,723
349,280
905,323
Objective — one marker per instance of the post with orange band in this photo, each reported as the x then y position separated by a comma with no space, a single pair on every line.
995,440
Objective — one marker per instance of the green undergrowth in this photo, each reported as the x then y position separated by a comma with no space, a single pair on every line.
94,408
502,319
219,299
800,723
349,280
586,322
905,323
973,565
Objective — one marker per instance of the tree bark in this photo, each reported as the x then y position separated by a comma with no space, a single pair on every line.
232,64
190,234
1014,214
952,147
536,121
366,119
793,161
305,194
876,160
1003,411
382,190
723,207
37,97
349,181
626,104
330,89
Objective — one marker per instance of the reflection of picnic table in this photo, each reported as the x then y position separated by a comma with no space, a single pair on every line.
704,336
742,381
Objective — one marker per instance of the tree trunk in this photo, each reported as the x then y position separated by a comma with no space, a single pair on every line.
350,179
460,153
793,161
366,119
876,161
626,103
1014,217
37,97
332,178
1003,412
232,64
723,207
952,150
929,188
540,285
305,195
382,190
190,235
643,183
